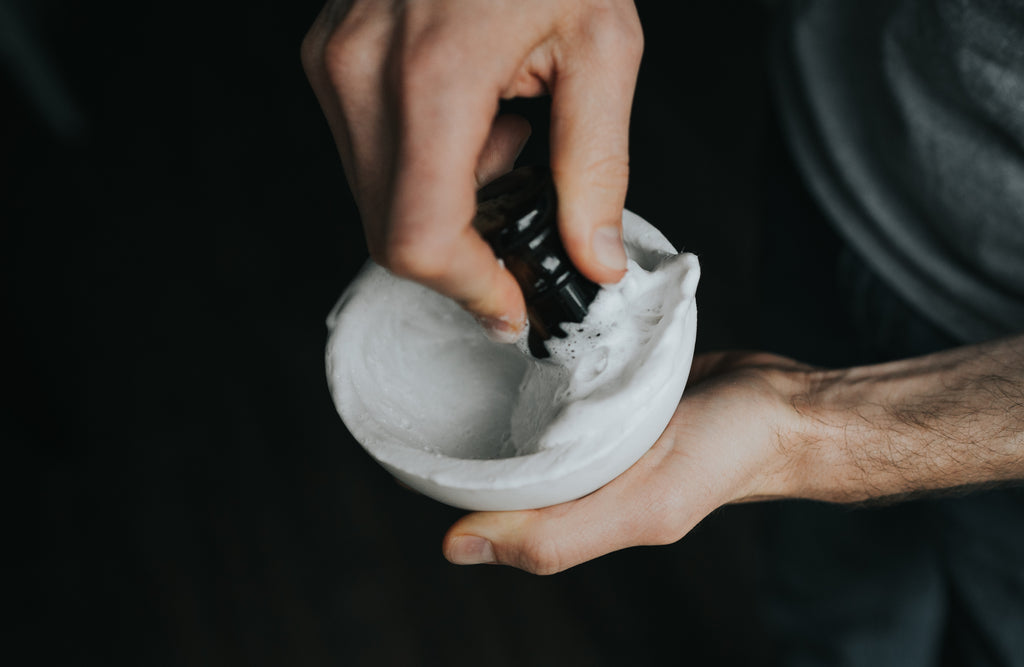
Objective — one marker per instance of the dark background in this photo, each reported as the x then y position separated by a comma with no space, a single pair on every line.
174,227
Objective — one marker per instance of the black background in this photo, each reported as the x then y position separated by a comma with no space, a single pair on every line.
175,226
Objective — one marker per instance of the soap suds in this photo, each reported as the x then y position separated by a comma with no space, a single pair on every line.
598,358
420,386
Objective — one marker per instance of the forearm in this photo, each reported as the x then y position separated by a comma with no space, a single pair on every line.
941,421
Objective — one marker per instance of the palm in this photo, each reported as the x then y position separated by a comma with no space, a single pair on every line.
719,447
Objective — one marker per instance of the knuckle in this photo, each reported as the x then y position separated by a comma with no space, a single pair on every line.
541,556
608,174
342,51
634,41
356,45
662,525
412,260
662,533
616,33
611,170
309,51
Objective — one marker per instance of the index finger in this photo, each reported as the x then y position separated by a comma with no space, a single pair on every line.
444,123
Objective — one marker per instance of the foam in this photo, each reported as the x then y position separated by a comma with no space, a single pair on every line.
486,426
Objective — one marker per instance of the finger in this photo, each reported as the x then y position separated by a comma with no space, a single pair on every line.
475,278
631,510
445,125
344,61
591,101
317,62
509,134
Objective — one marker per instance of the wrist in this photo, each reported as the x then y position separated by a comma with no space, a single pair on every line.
791,453
817,444
807,455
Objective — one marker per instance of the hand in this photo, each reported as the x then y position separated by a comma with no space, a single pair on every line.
721,446
410,90
757,426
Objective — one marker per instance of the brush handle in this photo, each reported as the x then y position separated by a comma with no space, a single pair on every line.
517,216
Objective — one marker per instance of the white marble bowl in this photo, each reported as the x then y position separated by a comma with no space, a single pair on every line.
430,398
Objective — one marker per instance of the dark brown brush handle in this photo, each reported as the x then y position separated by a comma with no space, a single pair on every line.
517,216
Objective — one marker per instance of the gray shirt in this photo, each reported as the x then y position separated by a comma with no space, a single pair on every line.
907,121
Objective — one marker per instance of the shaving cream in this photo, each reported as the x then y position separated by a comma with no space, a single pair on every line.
486,426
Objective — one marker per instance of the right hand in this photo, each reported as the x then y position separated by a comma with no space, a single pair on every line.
410,89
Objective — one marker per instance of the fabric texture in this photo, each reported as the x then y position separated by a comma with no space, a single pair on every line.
930,582
897,232
906,118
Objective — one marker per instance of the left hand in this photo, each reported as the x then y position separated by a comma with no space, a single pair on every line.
722,445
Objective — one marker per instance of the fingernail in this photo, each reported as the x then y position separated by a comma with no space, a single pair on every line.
608,247
471,550
499,330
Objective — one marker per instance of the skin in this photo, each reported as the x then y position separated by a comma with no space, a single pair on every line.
410,90
953,419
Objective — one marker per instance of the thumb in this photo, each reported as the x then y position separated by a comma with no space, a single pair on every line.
532,540
591,102
626,512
